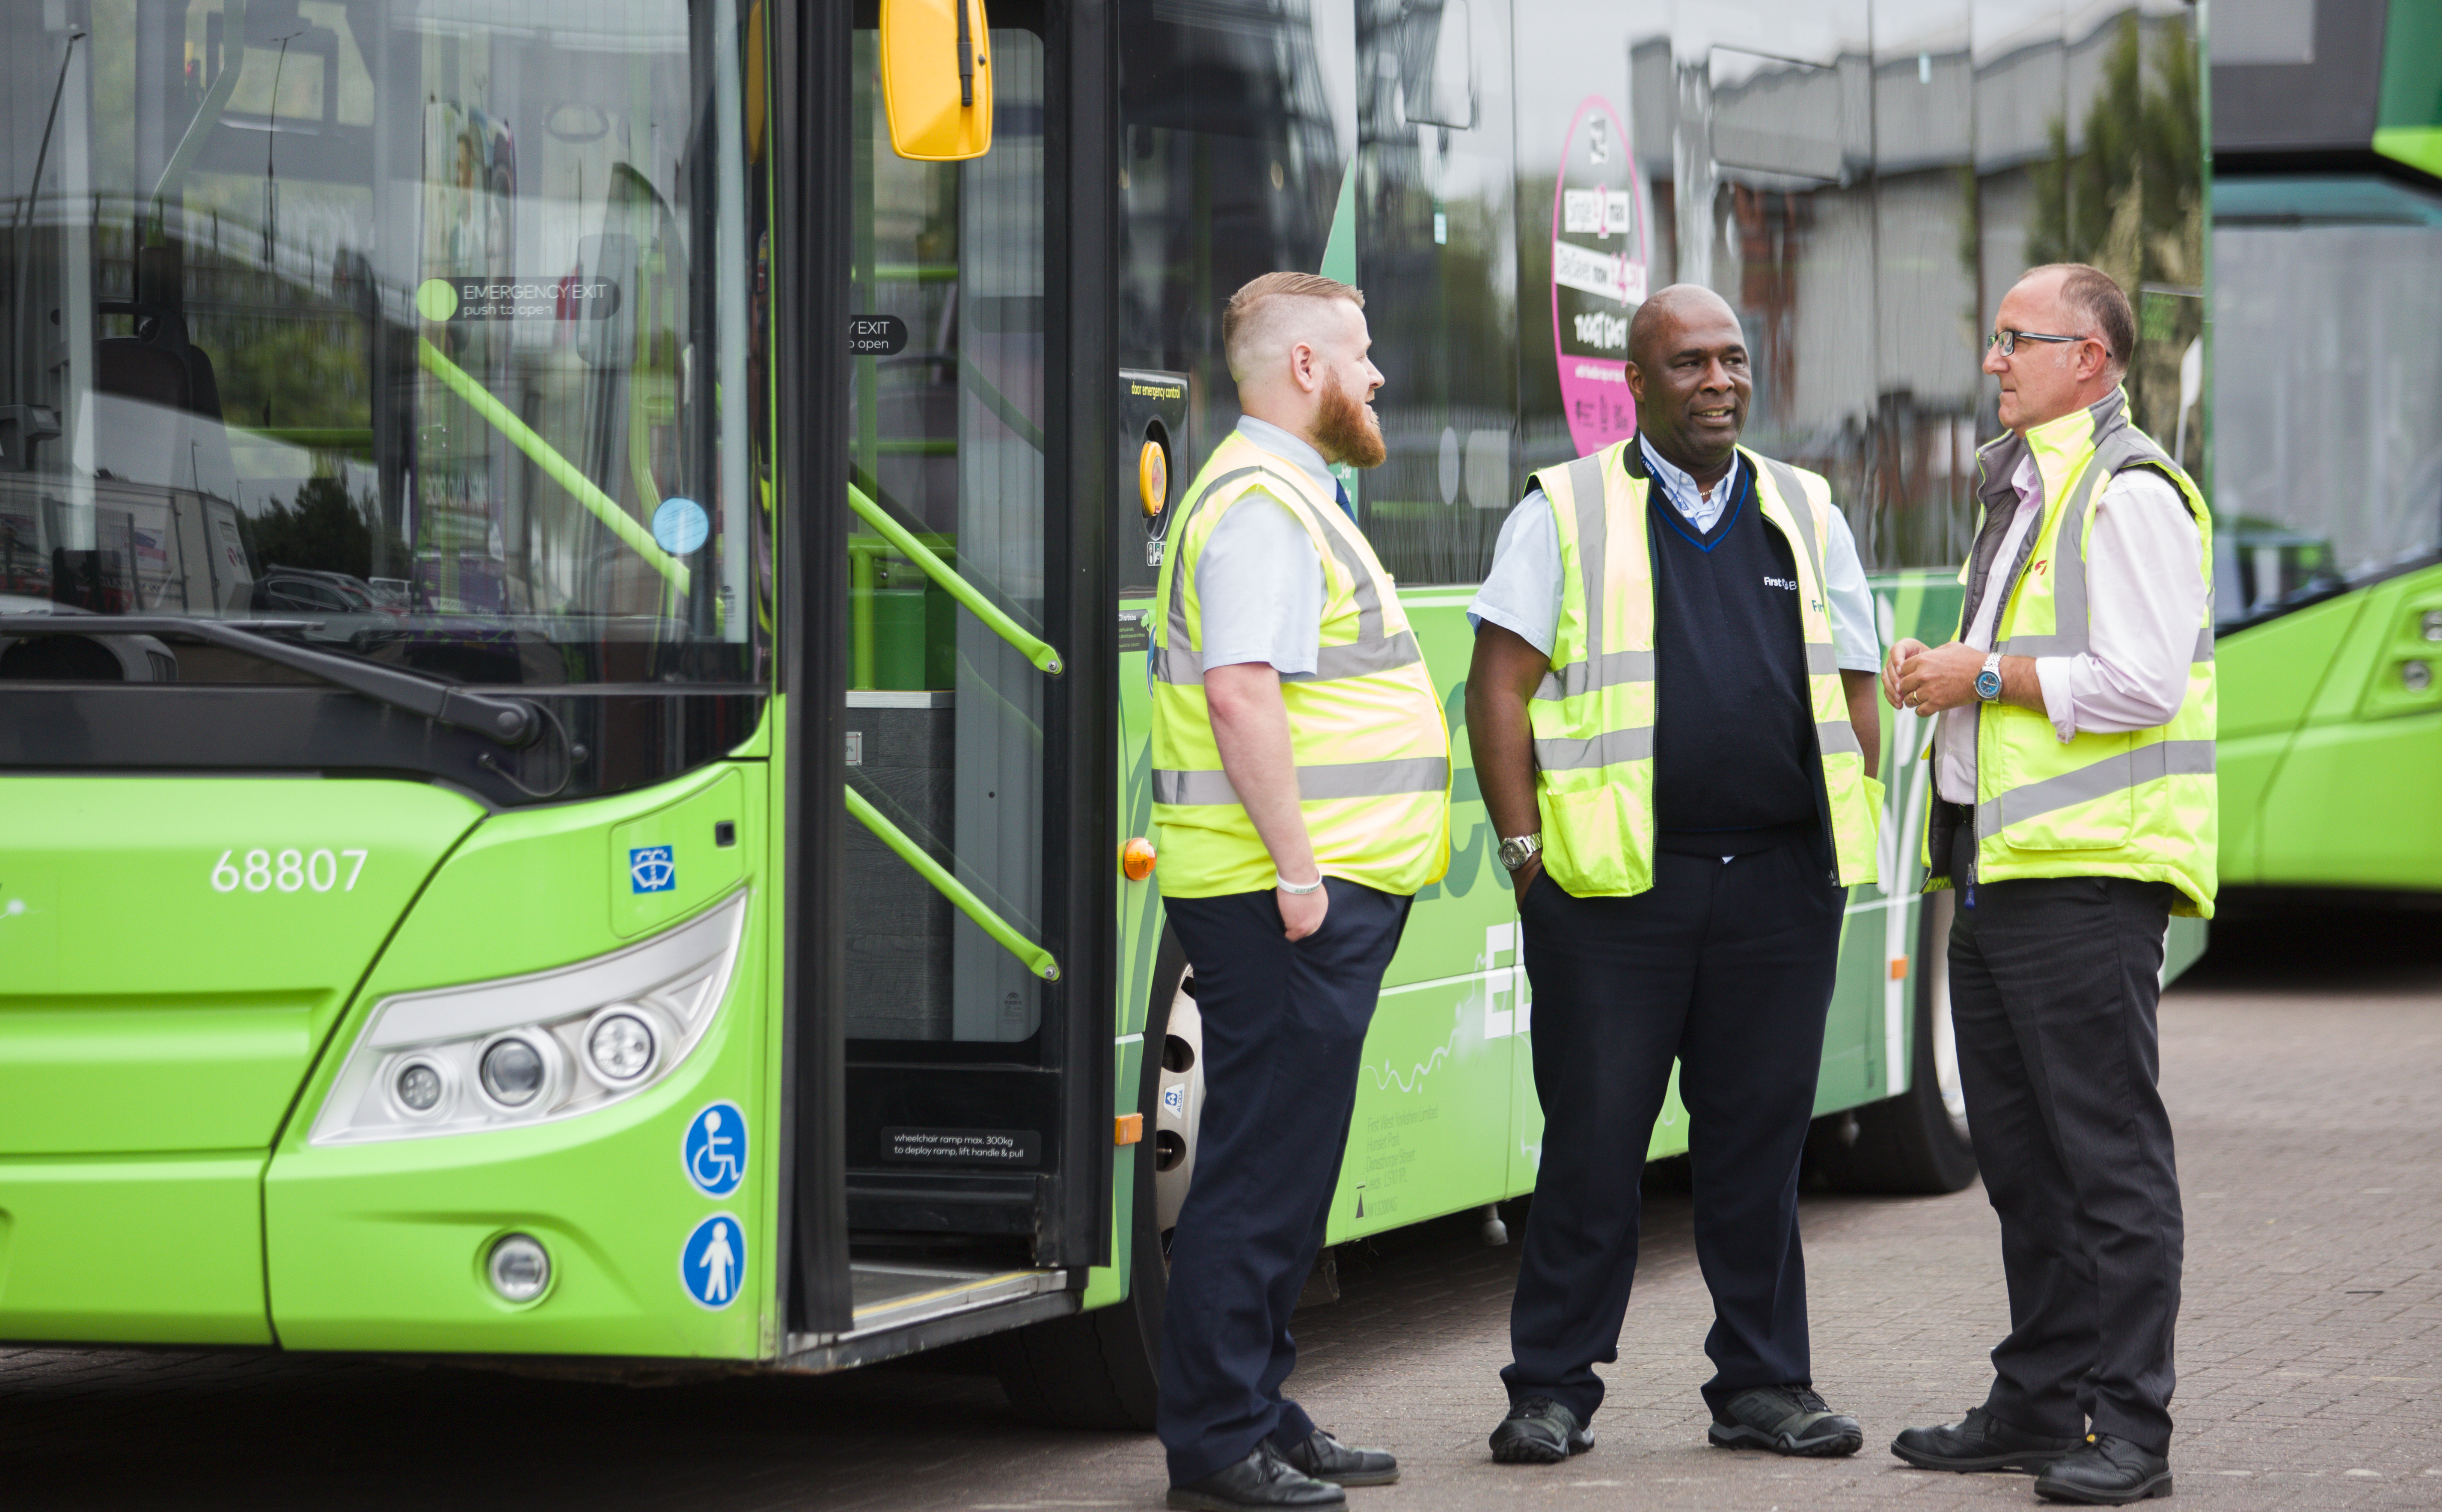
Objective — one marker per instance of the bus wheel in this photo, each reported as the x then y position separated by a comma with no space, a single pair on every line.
1914,1143
1099,1369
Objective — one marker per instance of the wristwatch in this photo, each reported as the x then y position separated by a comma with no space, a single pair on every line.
1988,683
1519,849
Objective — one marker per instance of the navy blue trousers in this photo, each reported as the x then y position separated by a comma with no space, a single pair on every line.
1726,966
1283,1035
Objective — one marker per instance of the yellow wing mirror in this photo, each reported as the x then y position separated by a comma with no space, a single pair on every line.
937,79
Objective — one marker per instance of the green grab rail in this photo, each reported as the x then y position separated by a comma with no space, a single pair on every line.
1036,959
554,466
1035,649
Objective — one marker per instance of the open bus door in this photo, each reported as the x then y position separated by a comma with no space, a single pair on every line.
948,658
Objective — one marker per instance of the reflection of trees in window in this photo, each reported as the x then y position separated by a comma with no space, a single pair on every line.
325,530
2130,201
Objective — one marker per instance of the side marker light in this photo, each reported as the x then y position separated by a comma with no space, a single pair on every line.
1136,859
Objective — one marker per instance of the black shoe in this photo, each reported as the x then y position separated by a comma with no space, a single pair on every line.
2106,1470
1979,1442
1262,1479
1786,1420
1325,1458
1539,1431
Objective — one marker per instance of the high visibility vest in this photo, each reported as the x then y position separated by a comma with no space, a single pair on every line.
1365,727
2139,804
1593,716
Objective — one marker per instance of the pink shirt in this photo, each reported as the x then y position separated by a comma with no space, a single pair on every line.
2145,600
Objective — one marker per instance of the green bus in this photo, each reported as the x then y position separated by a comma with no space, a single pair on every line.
574,781
2327,257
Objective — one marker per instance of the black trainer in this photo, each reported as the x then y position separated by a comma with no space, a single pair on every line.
2106,1470
1325,1458
1539,1431
1262,1479
1979,1441
1786,1420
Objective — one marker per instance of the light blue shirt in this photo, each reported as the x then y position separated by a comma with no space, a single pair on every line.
1701,509
1258,579
1521,593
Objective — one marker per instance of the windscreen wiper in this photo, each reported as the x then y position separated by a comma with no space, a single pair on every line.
509,721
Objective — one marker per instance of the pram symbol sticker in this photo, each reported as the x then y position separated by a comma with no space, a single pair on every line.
714,1151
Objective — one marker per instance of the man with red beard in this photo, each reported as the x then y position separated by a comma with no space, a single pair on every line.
1301,791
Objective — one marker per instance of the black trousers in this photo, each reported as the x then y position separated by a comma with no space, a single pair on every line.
2053,983
1283,1035
1728,967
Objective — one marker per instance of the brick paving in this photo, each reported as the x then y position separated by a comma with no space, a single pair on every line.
2303,1067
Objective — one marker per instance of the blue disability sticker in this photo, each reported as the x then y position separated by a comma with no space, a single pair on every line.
715,1150
651,868
681,525
712,1264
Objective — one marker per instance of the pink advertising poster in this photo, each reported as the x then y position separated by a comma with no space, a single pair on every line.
1599,254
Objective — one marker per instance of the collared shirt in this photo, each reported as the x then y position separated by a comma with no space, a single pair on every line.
1702,506
1521,593
2145,601
1258,579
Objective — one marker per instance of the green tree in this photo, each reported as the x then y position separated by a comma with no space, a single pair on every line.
2131,201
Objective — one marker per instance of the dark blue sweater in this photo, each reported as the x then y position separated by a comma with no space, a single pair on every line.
1735,759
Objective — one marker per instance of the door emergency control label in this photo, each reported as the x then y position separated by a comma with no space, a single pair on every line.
980,1146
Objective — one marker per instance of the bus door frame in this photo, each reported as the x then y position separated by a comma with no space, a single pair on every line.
811,45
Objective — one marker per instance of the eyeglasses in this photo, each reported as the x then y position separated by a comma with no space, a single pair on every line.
2008,341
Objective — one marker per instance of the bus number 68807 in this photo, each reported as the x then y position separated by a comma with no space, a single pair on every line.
287,871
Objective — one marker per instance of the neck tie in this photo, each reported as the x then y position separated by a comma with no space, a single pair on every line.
1339,495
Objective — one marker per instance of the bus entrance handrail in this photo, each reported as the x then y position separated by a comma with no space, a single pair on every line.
1035,958
1032,648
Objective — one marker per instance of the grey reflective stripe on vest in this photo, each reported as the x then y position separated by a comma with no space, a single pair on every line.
1822,657
1607,749
2071,624
1176,613
1370,652
1331,662
2147,764
1610,669
1837,735
1347,779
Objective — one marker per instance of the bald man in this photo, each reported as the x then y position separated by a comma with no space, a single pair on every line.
1301,794
1673,714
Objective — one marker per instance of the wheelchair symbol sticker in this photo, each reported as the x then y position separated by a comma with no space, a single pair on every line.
715,1150
651,868
712,1263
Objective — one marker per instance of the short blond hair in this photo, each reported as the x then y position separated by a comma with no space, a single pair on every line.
1250,312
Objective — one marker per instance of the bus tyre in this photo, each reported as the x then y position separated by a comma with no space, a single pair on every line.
1915,1143
1099,1369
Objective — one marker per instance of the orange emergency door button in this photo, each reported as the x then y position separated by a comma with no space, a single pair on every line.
1137,858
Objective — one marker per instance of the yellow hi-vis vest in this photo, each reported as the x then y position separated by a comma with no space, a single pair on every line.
1366,730
2137,803
1593,716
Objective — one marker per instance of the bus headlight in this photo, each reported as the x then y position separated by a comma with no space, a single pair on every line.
528,1049
619,1044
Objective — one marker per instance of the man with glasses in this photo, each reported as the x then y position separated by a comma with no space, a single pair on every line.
2073,813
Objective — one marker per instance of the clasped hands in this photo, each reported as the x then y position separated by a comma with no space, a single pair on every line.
1926,680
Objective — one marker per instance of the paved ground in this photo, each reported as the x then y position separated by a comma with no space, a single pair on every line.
2303,1065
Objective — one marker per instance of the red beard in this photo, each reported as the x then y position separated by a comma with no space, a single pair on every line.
1345,430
